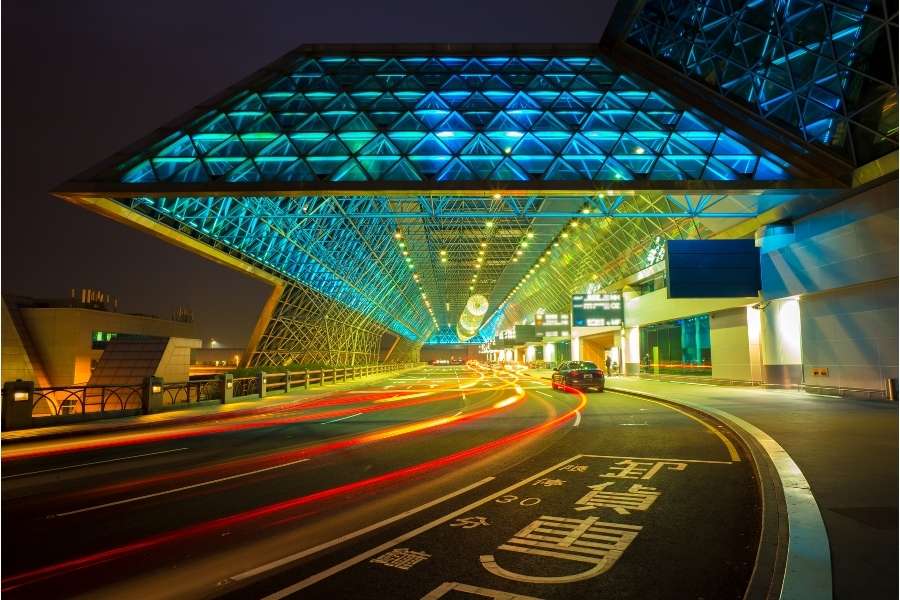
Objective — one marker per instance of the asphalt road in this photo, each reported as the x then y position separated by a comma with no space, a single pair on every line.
437,483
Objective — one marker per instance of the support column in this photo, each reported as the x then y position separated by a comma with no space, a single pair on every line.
781,342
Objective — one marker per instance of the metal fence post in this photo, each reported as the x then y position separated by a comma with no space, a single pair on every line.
322,377
262,384
227,387
306,379
287,382
152,399
18,399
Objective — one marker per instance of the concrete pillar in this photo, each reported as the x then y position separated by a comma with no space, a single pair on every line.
18,398
261,384
227,387
152,400
781,341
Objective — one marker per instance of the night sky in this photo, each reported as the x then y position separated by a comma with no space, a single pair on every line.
83,79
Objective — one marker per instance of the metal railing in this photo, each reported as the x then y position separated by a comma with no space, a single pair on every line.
187,392
50,405
86,400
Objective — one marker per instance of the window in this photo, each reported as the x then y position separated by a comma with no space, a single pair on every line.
680,347
99,339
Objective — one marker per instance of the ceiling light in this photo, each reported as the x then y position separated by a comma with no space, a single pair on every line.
484,244
398,235
573,224
497,196
518,253
638,150
443,253
529,235
565,234
585,211
488,224
443,259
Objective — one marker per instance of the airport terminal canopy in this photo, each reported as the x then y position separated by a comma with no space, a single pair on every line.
383,185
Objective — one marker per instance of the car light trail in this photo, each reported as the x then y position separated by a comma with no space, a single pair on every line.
15,581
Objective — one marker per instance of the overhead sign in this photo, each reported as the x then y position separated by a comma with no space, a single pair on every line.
712,268
597,310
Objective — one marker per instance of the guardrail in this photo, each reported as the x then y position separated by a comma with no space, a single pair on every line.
27,406
85,400
187,392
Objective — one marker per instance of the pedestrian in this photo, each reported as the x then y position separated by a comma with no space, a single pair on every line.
608,364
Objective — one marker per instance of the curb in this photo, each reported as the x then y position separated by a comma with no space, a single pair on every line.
807,556
186,419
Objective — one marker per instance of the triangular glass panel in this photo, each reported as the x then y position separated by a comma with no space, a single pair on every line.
402,171
350,171
481,165
182,147
279,147
508,170
377,165
430,146
560,170
254,142
636,164
663,170
270,166
296,171
380,146
244,173
532,154
456,171
217,124
716,171
613,171
221,165
230,147
481,146
140,173
767,170
192,173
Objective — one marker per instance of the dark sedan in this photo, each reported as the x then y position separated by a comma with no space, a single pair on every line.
579,374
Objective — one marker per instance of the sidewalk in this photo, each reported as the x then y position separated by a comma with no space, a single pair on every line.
847,449
203,412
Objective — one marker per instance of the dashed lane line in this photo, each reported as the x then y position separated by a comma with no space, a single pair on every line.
96,462
341,418
313,579
325,545
174,490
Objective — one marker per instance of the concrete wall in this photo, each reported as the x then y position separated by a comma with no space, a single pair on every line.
175,364
851,243
655,307
852,332
730,344
62,337
14,361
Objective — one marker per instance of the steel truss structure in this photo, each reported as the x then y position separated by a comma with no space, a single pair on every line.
380,186
824,69
309,328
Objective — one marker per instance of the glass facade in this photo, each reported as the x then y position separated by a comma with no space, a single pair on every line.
679,347
451,118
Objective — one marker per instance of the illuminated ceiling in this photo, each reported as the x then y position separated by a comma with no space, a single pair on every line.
399,181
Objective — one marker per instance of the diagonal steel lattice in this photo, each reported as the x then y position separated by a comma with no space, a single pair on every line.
824,69
396,183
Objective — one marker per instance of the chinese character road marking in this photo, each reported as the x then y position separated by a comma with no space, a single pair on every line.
450,586
634,469
637,497
549,482
576,468
470,522
401,558
582,540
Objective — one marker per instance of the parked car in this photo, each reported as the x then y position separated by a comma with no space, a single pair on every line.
440,362
578,374
455,360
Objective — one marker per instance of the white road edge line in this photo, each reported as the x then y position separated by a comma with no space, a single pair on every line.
577,419
325,545
543,393
96,462
313,579
342,418
807,572
172,491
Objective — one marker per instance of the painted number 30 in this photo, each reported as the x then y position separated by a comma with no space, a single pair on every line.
523,502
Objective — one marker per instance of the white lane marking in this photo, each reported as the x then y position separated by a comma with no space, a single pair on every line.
544,393
172,491
315,549
96,462
341,419
807,572
458,413
577,419
632,424
313,579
